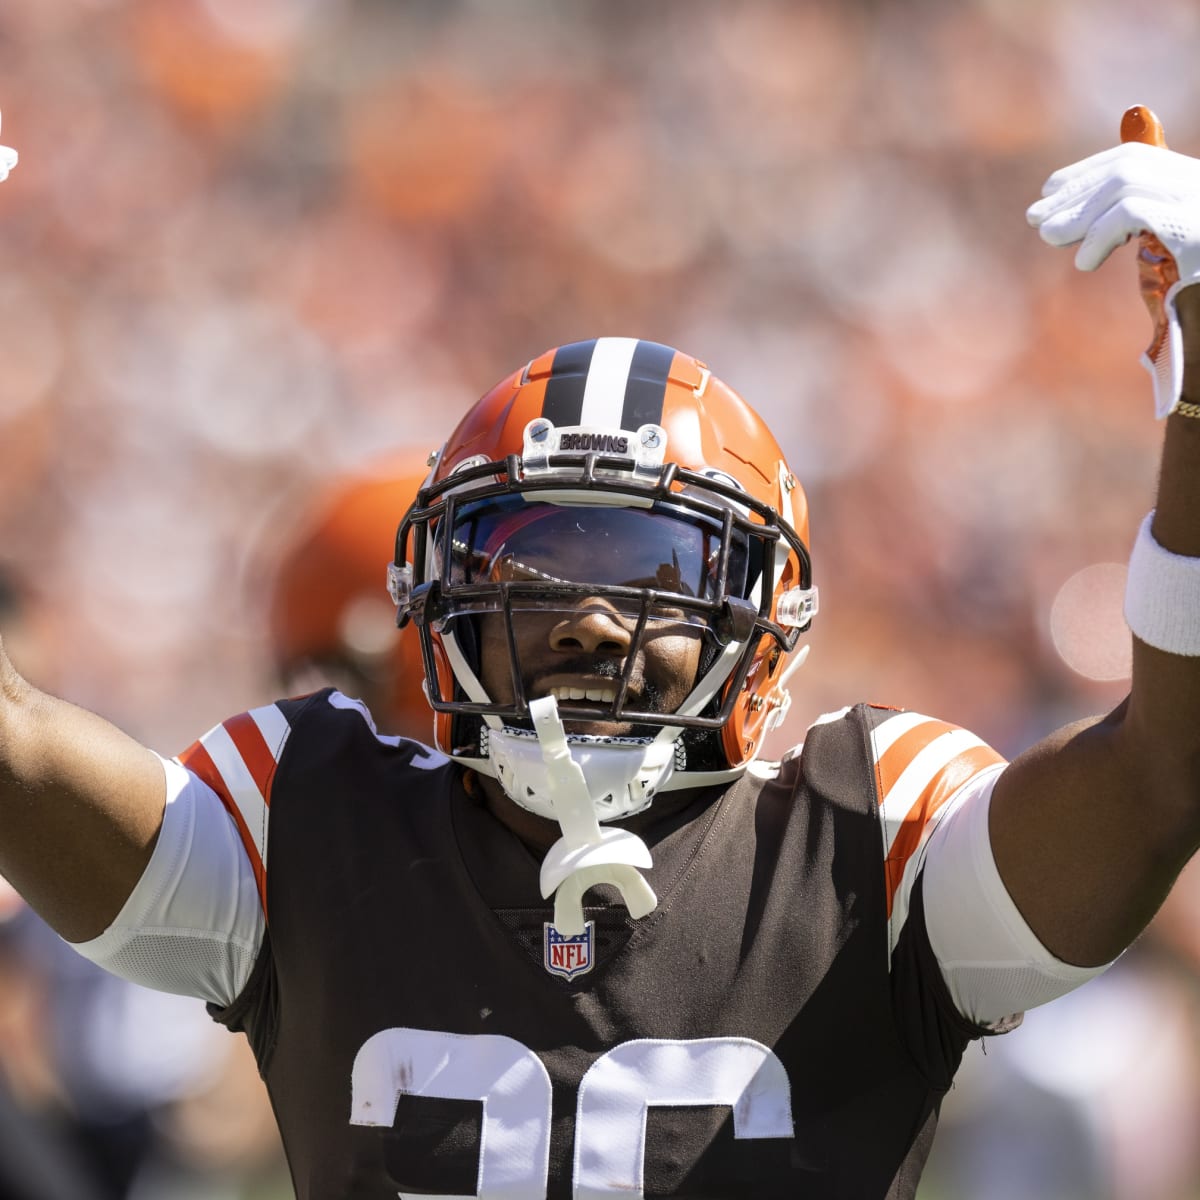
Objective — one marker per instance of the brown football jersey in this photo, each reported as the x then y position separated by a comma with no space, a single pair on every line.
776,1027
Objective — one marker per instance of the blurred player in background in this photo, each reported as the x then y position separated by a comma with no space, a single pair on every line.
329,616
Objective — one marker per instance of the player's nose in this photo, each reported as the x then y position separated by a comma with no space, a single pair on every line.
592,627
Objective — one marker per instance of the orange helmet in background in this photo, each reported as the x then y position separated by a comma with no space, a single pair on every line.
330,619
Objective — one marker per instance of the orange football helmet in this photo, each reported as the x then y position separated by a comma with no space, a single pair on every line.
328,617
624,470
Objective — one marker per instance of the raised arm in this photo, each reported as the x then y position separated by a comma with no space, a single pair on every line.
1091,827
80,807
80,802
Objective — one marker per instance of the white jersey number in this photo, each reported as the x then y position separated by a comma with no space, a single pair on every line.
610,1118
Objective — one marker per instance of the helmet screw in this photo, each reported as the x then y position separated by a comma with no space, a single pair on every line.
650,438
539,431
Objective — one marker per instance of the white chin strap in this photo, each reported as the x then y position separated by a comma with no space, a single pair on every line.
621,775
585,855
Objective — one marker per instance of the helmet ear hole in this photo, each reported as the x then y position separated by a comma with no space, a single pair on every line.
743,732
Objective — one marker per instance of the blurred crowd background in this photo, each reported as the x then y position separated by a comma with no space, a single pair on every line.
254,244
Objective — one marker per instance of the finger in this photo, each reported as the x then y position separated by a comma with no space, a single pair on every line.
1064,202
1076,193
1069,197
1128,161
1066,219
1113,229
8,160
1142,170
1098,162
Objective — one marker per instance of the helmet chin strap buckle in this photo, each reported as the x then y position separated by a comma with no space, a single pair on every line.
586,854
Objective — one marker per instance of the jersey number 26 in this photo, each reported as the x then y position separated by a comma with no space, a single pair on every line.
610,1117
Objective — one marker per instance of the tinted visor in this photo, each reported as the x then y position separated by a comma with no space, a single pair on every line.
507,539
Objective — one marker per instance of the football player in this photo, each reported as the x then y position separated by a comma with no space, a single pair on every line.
329,616
586,943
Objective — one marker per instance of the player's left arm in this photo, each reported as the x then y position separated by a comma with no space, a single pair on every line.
1090,827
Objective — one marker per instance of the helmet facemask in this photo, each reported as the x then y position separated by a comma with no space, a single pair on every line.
675,570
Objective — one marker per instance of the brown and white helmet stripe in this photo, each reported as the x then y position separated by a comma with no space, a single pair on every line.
611,382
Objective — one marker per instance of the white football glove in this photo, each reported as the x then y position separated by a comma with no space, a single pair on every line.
8,160
1102,201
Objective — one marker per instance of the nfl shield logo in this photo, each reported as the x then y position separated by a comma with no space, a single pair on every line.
569,956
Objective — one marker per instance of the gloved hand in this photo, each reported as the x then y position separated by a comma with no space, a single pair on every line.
8,160
1102,201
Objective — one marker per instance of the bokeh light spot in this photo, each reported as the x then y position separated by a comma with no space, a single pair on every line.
1087,623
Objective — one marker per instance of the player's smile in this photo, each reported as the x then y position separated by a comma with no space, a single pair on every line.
576,690
577,655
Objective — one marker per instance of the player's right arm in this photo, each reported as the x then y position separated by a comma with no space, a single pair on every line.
81,804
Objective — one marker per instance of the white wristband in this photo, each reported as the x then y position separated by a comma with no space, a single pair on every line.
1162,595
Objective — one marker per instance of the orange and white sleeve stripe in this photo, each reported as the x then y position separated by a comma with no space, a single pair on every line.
920,766
237,759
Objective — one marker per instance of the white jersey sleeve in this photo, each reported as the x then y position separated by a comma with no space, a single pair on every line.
935,784
194,923
993,963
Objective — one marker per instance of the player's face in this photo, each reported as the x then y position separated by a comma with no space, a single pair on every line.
577,653
585,650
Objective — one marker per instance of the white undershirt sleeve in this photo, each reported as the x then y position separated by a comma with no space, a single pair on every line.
194,923
993,963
